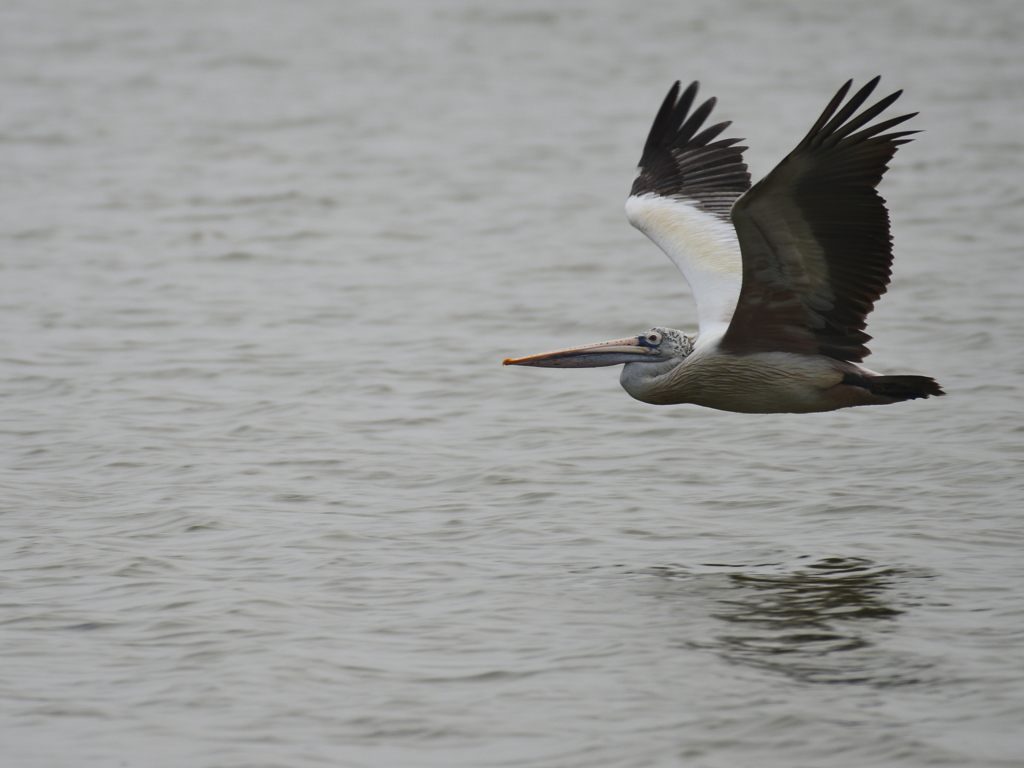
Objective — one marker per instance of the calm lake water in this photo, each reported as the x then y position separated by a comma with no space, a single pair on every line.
268,498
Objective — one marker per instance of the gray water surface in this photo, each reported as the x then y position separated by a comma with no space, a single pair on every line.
268,498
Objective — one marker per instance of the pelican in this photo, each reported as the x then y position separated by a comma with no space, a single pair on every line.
783,273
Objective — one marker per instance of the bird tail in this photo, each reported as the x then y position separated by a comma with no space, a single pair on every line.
897,388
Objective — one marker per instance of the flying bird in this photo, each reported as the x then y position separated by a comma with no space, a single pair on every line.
784,273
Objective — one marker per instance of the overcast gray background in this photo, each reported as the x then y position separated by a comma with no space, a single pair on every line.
267,497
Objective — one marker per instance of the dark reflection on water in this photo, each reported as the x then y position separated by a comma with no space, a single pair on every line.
799,623
823,623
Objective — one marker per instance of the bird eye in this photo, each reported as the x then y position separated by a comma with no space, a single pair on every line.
653,337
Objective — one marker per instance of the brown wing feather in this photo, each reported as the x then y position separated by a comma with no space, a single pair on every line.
815,238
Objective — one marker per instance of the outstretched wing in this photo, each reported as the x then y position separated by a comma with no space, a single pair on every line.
685,186
815,238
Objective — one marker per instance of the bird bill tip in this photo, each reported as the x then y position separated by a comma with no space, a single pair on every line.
525,360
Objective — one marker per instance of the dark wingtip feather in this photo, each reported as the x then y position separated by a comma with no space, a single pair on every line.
661,119
681,160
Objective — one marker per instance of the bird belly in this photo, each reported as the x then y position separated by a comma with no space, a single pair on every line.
768,382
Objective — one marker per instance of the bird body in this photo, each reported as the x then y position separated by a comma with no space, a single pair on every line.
764,382
783,273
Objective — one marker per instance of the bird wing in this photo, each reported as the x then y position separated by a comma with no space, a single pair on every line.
685,185
815,239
